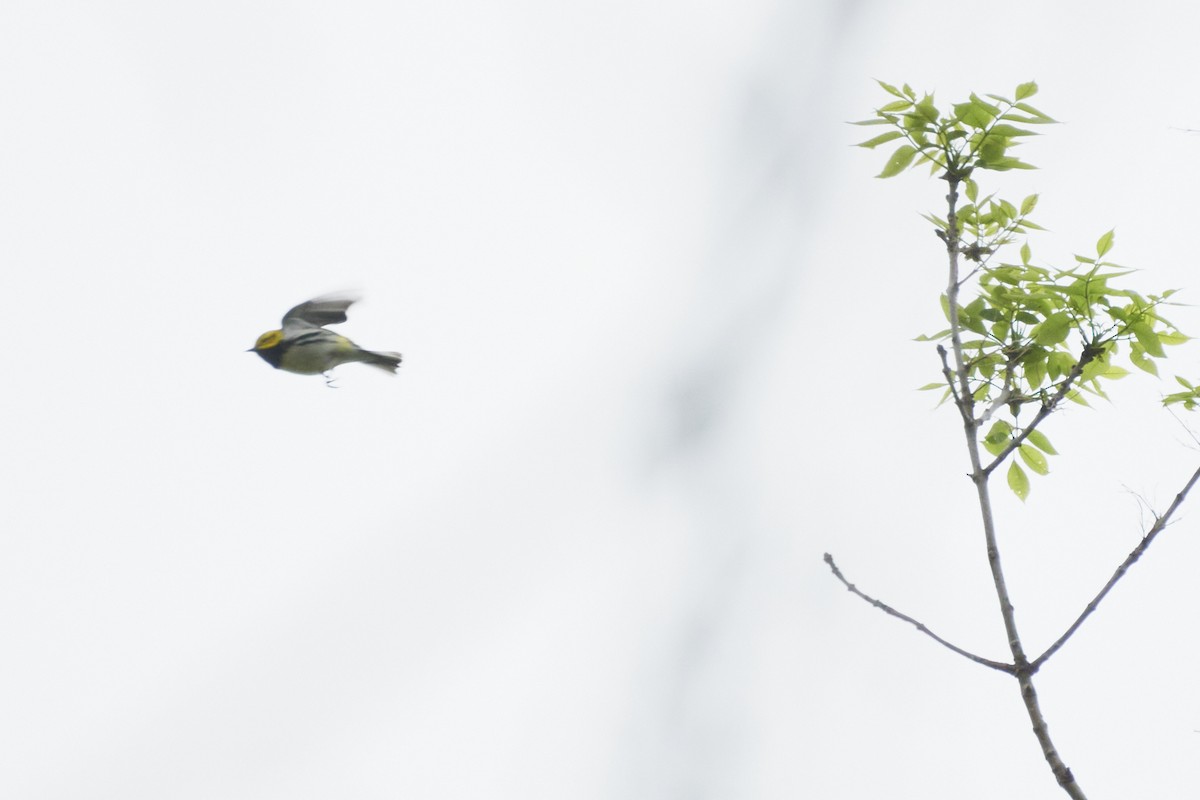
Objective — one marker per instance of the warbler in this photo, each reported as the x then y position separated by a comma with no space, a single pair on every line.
306,347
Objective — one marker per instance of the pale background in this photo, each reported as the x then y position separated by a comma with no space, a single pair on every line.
657,322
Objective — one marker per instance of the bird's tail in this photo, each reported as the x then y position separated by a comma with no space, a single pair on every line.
385,361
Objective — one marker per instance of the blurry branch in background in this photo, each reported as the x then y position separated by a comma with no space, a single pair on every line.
1030,336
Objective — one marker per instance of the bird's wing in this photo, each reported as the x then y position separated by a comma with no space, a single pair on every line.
328,309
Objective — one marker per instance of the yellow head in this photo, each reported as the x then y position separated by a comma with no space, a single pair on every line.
268,340
268,347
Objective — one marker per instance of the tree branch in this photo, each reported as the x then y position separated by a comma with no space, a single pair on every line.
1160,523
979,476
884,607
949,376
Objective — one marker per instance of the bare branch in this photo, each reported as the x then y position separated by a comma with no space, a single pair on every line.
884,607
1159,524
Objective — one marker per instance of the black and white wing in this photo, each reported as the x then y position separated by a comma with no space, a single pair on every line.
329,309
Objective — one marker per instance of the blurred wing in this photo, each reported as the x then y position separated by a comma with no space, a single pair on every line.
328,309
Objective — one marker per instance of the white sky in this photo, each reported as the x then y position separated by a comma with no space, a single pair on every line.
657,323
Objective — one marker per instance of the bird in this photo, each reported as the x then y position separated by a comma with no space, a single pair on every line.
304,345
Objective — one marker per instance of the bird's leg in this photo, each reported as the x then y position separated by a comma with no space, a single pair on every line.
328,380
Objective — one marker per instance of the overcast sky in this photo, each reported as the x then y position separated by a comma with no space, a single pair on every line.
657,321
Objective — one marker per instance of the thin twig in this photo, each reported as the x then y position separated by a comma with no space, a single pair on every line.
884,607
948,374
1191,433
1159,524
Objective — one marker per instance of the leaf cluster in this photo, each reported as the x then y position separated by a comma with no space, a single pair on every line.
1030,335
1035,336
1031,326
1189,399
976,134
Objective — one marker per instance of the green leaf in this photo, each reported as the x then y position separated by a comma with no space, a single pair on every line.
1035,371
1034,459
1077,397
892,90
984,105
1104,244
1183,382
992,151
1059,364
900,161
1139,359
1026,90
895,105
926,109
1187,398
1148,339
1054,330
1173,338
968,317
1038,116
1028,204
1018,481
972,115
934,385
1011,117
1003,129
1025,251
937,221
917,126
997,437
871,144
1005,164
1039,440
